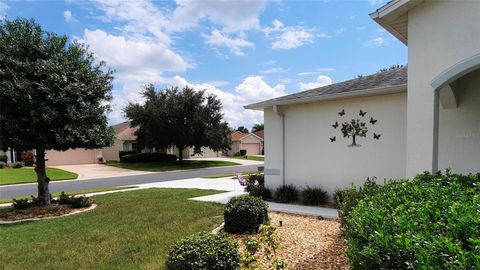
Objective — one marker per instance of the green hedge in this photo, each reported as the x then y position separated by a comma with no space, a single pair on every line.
431,222
147,157
204,251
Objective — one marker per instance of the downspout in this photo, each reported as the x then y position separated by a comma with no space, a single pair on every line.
278,111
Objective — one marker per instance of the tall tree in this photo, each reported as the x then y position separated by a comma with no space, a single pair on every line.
181,118
242,129
53,94
257,127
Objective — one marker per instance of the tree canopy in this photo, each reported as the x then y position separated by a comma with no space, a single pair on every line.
181,118
54,95
242,129
257,127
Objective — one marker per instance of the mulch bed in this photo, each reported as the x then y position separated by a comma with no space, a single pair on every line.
36,212
307,243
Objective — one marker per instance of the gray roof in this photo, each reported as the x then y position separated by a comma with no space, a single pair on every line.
389,81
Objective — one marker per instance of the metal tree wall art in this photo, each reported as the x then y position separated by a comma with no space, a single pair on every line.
355,128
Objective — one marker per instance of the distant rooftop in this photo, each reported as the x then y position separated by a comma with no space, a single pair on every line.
389,81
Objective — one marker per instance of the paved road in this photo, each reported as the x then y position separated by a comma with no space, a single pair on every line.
31,189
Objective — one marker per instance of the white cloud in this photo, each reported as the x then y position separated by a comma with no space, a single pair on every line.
236,45
252,89
273,70
317,71
67,14
340,31
322,80
354,16
378,41
290,37
360,28
233,16
3,9
375,2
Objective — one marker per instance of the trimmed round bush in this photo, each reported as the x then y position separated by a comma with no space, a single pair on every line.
204,251
286,194
2,164
314,196
260,191
245,214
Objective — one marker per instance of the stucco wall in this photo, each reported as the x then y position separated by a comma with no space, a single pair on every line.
459,128
111,153
440,35
311,159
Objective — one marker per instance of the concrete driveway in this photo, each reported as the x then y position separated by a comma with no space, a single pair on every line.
236,160
93,171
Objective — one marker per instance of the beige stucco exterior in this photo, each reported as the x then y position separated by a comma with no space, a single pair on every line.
251,143
435,124
441,34
312,159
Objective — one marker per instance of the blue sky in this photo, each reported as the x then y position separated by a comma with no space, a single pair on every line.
242,51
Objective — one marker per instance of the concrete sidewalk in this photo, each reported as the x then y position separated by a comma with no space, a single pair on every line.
236,160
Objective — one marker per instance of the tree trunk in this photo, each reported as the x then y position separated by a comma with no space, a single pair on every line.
42,179
180,154
354,142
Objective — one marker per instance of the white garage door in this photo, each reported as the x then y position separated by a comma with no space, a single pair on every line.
252,148
72,157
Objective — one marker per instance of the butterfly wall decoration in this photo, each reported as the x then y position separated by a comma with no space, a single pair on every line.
355,128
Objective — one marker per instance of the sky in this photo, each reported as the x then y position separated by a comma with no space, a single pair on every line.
242,51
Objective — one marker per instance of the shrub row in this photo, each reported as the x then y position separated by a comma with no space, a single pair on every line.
73,201
123,153
147,157
289,194
430,222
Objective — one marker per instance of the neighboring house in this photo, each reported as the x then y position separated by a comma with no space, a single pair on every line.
245,141
125,140
261,134
425,118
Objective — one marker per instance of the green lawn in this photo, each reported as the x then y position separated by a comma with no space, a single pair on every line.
75,192
221,175
249,158
171,166
128,230
27,175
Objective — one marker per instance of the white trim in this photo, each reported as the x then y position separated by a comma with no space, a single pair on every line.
456,71
352,94
248,134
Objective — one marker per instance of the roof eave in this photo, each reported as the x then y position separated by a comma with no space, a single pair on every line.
353,94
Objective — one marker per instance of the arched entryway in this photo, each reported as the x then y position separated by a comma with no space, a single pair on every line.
456,140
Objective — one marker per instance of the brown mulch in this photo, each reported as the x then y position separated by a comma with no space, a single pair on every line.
36,212
307,243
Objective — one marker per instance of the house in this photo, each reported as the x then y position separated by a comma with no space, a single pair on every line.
250,142
261,134
423,117
124,140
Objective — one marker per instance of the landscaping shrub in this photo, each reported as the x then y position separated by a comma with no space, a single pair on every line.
21,204
2,164
245,214
123,153
75,202
314,196
431,222
148,157
286,194
27,158
256,179
260,191
204,251
17,165
3,158
243,152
